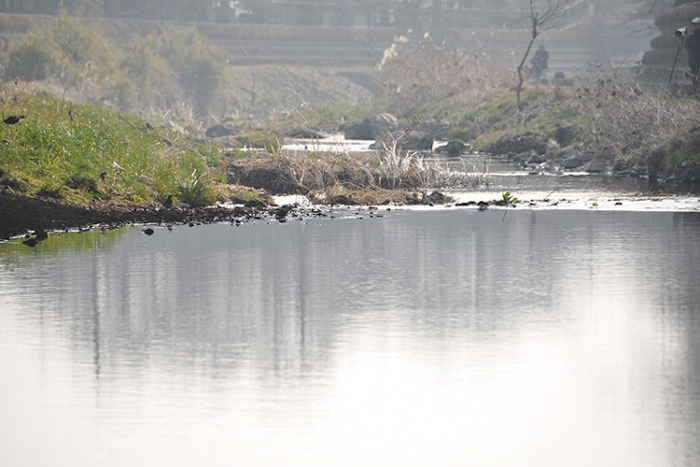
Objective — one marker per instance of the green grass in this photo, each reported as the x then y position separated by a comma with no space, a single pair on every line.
81,153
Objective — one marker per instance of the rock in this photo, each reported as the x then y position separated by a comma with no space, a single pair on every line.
534,159
520,158
217,131
573,162
519,144
408,141
606,154
435,127
371,127
452,148
572,158
596,166
436,198
255,203
342,199
620,164
569,152
303,133
40,235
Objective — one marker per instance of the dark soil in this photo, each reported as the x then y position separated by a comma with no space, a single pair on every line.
21,215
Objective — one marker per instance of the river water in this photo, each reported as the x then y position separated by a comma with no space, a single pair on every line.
433,337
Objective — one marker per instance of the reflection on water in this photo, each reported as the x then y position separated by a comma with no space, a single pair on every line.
448,337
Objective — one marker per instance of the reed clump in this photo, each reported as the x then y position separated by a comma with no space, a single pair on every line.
359,178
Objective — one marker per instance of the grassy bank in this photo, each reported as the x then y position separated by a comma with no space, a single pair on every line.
81,153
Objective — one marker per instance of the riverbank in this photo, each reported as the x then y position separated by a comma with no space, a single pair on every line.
28,216
23,215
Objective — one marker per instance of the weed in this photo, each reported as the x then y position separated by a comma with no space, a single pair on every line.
196,191
50,189
507,199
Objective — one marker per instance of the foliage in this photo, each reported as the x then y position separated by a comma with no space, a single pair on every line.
196,190
333,115
145,80
81,152
262,138
70,51
170,71
507,199
199,68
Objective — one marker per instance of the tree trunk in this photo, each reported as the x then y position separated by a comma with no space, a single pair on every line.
521,80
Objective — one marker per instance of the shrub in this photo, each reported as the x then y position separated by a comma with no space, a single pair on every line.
198,67
419,68
196,191
627,117
69,50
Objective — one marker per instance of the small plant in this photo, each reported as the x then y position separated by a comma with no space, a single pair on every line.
196,191
507,199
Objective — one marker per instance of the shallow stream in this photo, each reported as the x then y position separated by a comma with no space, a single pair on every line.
562,332
409,338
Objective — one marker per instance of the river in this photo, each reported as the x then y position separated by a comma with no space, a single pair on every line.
550,336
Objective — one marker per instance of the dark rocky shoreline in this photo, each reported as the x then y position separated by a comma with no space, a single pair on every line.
21,215
27,216
530,151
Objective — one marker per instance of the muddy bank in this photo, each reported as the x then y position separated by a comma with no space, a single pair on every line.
25,216
20,215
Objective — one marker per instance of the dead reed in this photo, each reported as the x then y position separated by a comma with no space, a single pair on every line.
629,118
388,174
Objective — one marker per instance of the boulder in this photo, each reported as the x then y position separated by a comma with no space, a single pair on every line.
217,131
452,148
596,166
535,159
405,140
304,133
435,127
371,127
519,144
571,158
573,162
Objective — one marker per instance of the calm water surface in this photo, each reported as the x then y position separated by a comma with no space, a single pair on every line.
447,337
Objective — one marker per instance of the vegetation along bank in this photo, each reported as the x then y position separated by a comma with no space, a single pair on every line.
146,134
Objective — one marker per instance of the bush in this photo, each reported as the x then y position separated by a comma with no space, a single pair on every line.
420,68
196,191
199,69
68,50
31,58
173,70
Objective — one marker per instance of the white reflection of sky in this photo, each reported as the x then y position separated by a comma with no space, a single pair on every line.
421,338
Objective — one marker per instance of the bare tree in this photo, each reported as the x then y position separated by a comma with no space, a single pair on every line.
542,15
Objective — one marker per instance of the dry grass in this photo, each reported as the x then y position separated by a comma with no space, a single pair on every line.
627,117
418,68
365,179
